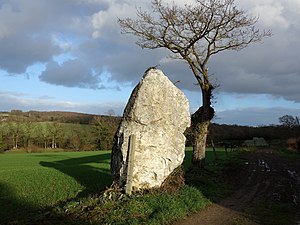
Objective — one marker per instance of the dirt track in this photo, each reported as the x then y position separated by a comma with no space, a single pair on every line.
265,179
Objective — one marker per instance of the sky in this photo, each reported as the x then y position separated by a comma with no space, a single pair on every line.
69,55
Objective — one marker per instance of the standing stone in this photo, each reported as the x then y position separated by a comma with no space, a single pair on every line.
157,113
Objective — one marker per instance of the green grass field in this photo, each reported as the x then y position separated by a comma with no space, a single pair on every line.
33,181
29,183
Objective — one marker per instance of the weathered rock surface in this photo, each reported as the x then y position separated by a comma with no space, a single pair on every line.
157,113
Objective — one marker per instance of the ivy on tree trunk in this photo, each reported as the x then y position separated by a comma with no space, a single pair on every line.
200,123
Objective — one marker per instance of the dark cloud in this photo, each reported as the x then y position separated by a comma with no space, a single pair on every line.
254,116
125,62
72,73
265,69
36,31
271,67
17,53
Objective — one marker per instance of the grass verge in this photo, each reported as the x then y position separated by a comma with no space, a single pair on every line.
151,208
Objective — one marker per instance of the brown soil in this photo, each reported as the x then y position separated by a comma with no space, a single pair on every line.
264,179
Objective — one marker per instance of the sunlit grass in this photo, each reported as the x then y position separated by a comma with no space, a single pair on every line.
38,180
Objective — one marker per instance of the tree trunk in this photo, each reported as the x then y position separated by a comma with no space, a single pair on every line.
16,141
53,142
200,123
199,145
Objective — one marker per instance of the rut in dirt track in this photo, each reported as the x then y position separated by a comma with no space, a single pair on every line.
265,176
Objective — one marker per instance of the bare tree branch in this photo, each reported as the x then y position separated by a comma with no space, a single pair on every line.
194,32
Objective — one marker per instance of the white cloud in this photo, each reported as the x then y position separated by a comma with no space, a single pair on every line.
104,22
271,14
9,101
63,43
98,21
274,13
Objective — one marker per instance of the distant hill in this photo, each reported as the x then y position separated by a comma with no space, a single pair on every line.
57,116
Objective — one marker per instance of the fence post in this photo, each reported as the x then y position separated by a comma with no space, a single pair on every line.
131,151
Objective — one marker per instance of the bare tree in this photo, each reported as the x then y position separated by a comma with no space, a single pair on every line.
28,127
289,121
56,131
194,33
16,132
42,131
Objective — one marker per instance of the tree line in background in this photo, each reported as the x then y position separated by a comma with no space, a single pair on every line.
275,135
35,131
69,131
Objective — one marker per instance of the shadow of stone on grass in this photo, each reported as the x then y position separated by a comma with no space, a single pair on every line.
93,179
14,211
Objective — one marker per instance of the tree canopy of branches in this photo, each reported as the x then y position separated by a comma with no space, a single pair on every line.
194,33
289,121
